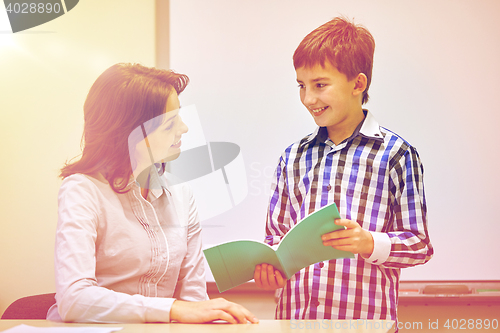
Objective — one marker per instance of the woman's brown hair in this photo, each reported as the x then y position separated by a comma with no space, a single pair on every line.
122,98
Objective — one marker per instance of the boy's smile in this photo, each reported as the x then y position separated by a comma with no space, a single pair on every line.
319,111
332,99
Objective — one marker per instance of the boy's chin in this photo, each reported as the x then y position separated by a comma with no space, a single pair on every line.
320,123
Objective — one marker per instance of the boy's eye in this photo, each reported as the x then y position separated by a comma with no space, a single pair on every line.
301,86
320,85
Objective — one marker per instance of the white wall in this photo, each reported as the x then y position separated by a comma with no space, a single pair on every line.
45,74
435,82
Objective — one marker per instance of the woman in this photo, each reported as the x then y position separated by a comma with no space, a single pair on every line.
128,245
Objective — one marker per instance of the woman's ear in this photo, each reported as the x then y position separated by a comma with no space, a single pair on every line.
360,83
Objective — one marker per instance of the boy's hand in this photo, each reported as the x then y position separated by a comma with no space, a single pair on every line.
353,239
268,278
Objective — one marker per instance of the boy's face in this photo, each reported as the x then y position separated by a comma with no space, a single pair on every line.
332,100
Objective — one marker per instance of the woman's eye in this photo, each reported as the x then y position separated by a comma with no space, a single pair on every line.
170,126
320,85
301,86
171,123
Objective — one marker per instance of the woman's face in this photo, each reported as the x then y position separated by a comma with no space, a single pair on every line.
164,142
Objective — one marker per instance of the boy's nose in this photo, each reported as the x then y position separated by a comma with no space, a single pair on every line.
309,99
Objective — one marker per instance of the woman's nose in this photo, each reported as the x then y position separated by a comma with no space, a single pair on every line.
183,127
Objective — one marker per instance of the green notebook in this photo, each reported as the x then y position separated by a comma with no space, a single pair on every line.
233,263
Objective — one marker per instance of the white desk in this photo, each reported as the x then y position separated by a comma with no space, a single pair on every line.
337,326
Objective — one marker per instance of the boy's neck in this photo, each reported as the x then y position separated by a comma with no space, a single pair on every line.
344,130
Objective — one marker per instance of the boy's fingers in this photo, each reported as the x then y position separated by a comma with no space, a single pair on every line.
327,236
263,276
341,222
335,235
338,242
257,277
267,277
346,223
271,277
279,279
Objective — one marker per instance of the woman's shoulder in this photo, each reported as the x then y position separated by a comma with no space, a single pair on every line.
76,179
84,185
80,201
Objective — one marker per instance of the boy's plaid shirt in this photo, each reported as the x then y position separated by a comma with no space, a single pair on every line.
376,179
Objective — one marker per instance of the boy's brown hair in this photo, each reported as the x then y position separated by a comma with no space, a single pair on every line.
347,46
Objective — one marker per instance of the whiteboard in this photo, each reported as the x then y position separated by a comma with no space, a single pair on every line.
435,78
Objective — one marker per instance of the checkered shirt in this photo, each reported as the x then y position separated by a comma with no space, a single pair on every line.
376,179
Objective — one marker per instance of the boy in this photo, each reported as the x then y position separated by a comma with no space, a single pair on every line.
372,174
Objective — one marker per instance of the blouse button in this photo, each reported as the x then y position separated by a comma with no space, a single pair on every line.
321,264
329,187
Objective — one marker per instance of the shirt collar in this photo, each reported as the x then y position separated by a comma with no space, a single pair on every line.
157,184
368,127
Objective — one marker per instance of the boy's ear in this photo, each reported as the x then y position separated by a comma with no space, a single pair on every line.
360,83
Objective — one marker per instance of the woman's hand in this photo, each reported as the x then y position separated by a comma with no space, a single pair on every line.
268,278
207,311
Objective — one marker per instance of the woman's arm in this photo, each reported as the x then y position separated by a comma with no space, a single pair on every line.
191,284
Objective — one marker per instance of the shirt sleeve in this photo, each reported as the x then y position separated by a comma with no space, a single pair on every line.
191,285
78,295
278,214
381,248
409,238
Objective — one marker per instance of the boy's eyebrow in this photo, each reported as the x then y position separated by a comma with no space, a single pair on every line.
316,79
319,79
